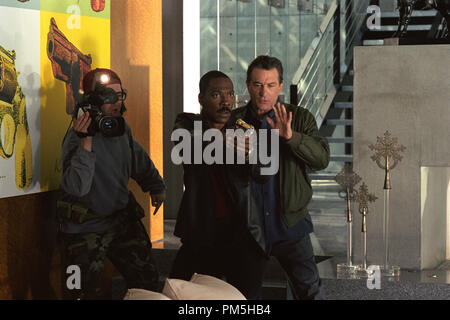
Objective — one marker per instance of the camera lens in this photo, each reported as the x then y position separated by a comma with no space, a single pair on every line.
109,124
112,126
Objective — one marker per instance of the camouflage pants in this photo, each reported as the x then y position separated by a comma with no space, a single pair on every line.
128,248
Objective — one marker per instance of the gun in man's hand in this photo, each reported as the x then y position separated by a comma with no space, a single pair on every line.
13,120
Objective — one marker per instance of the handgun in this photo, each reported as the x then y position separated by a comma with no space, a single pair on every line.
68,64
249,131
13,121
241,124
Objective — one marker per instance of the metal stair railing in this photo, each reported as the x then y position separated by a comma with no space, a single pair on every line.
321,71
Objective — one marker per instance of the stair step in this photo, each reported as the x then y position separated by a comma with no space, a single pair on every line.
416,13
325,186
343,105
317,203
418,27
323,176
378,42
408,41
347,88
340,140
342,158
418,18
382,34
339,122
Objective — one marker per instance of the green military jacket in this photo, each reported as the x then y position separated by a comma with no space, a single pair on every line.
306,148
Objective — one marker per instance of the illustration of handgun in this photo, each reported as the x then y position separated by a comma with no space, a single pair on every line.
68,64
13,120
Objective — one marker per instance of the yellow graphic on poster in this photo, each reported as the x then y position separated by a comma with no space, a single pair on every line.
13,120
19,99
71,45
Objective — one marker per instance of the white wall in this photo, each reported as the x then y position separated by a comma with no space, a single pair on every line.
403,89
434,215
191,55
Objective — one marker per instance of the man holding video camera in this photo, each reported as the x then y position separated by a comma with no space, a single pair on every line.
99,217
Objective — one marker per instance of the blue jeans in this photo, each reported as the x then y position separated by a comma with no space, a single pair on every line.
296,257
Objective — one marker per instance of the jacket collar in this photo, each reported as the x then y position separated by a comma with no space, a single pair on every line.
251,117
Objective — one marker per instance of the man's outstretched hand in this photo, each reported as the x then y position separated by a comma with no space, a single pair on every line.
282,122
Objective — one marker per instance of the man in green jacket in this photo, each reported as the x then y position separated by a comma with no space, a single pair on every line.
282,201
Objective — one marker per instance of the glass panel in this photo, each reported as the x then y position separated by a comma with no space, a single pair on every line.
245,39
208,36
248,28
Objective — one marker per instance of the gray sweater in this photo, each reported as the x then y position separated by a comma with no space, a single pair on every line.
99,179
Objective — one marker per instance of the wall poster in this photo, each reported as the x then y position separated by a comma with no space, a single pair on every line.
46,47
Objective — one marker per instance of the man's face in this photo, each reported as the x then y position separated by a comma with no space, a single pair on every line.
264,88
113,110
218,100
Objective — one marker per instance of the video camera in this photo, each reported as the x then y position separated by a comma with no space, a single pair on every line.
109,126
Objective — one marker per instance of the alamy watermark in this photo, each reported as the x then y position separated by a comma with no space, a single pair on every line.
74,279
374,277
74,20
374,20
220,149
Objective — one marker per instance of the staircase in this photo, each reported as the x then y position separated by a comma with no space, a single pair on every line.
423,25
337,127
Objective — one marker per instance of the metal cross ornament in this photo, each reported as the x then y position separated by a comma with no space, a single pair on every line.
363,197
387,150
347,179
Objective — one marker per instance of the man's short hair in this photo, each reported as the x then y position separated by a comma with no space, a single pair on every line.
207,77
266,63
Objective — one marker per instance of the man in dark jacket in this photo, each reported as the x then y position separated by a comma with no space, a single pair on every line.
212,220
282,201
